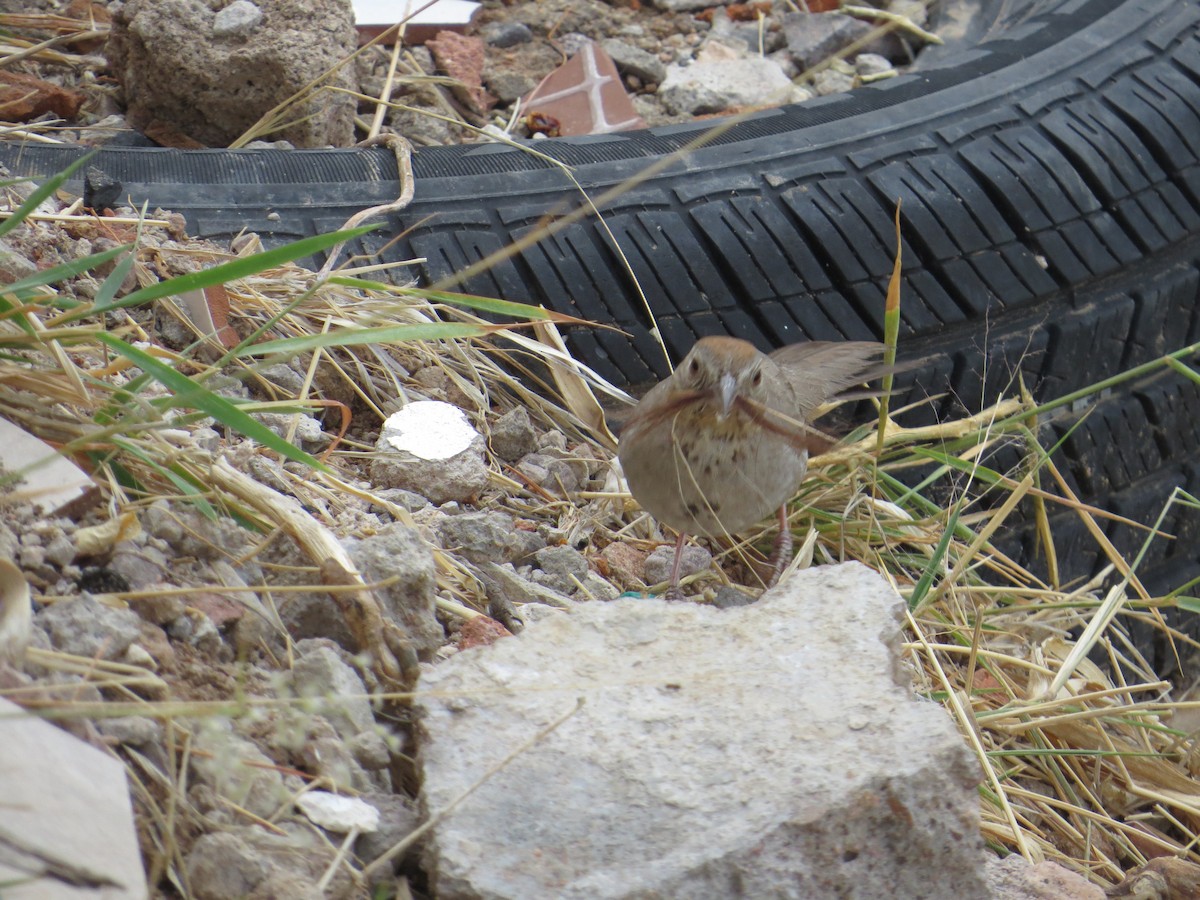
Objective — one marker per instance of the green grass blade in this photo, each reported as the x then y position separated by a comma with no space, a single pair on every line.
925,582
188,393
230,271
44,190
66,270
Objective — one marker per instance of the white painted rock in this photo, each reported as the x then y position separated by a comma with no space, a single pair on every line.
430,448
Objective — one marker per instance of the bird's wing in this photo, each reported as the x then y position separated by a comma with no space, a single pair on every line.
818,370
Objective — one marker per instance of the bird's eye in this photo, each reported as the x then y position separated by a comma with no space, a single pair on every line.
694,367
756,378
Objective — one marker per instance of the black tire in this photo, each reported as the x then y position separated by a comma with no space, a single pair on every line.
1051,213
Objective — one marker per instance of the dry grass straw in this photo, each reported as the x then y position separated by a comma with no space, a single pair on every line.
1080,762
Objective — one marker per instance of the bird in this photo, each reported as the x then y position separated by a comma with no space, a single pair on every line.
723,441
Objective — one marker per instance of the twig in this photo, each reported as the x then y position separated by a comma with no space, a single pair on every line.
403,151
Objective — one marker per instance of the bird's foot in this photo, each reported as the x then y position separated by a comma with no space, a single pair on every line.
781,553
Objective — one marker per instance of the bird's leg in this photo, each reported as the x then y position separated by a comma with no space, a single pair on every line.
673,591
781,554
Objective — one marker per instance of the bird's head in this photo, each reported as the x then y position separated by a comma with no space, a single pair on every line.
722,370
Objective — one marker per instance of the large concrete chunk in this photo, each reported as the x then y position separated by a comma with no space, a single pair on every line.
66,822
211,74
772,750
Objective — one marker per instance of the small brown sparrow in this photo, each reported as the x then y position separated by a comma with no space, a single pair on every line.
724,440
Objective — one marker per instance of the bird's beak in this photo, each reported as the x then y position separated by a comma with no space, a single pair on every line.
728,388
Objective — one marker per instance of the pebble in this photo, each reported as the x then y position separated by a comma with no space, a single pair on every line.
512,435
658,564
85,627
631,60
572,42
483,537
506,34
872,64
238,19
829,81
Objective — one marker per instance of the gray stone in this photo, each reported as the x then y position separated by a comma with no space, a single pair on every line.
506,34
593,587
14,265
66,806
708,87
251,863
505,587
140,565
562,562
572,42
161,521
303,431
631,60
161,609
8,541
487,537
313,615
831,81
60,551
371,750
682,5
552,440
221,866
872,64
399,552
408,500
728,596
1014,878
745,34
284,883
787,65
173,71
507,86
134,730
320,673
290,377
398,818
552,472
86,627
813,37
326,755
710,757
196,629
696,559
512,435
236,769
238,19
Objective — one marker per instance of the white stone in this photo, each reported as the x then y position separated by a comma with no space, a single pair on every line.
239,18
333,812
429,429
705,87
66,821
414,12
